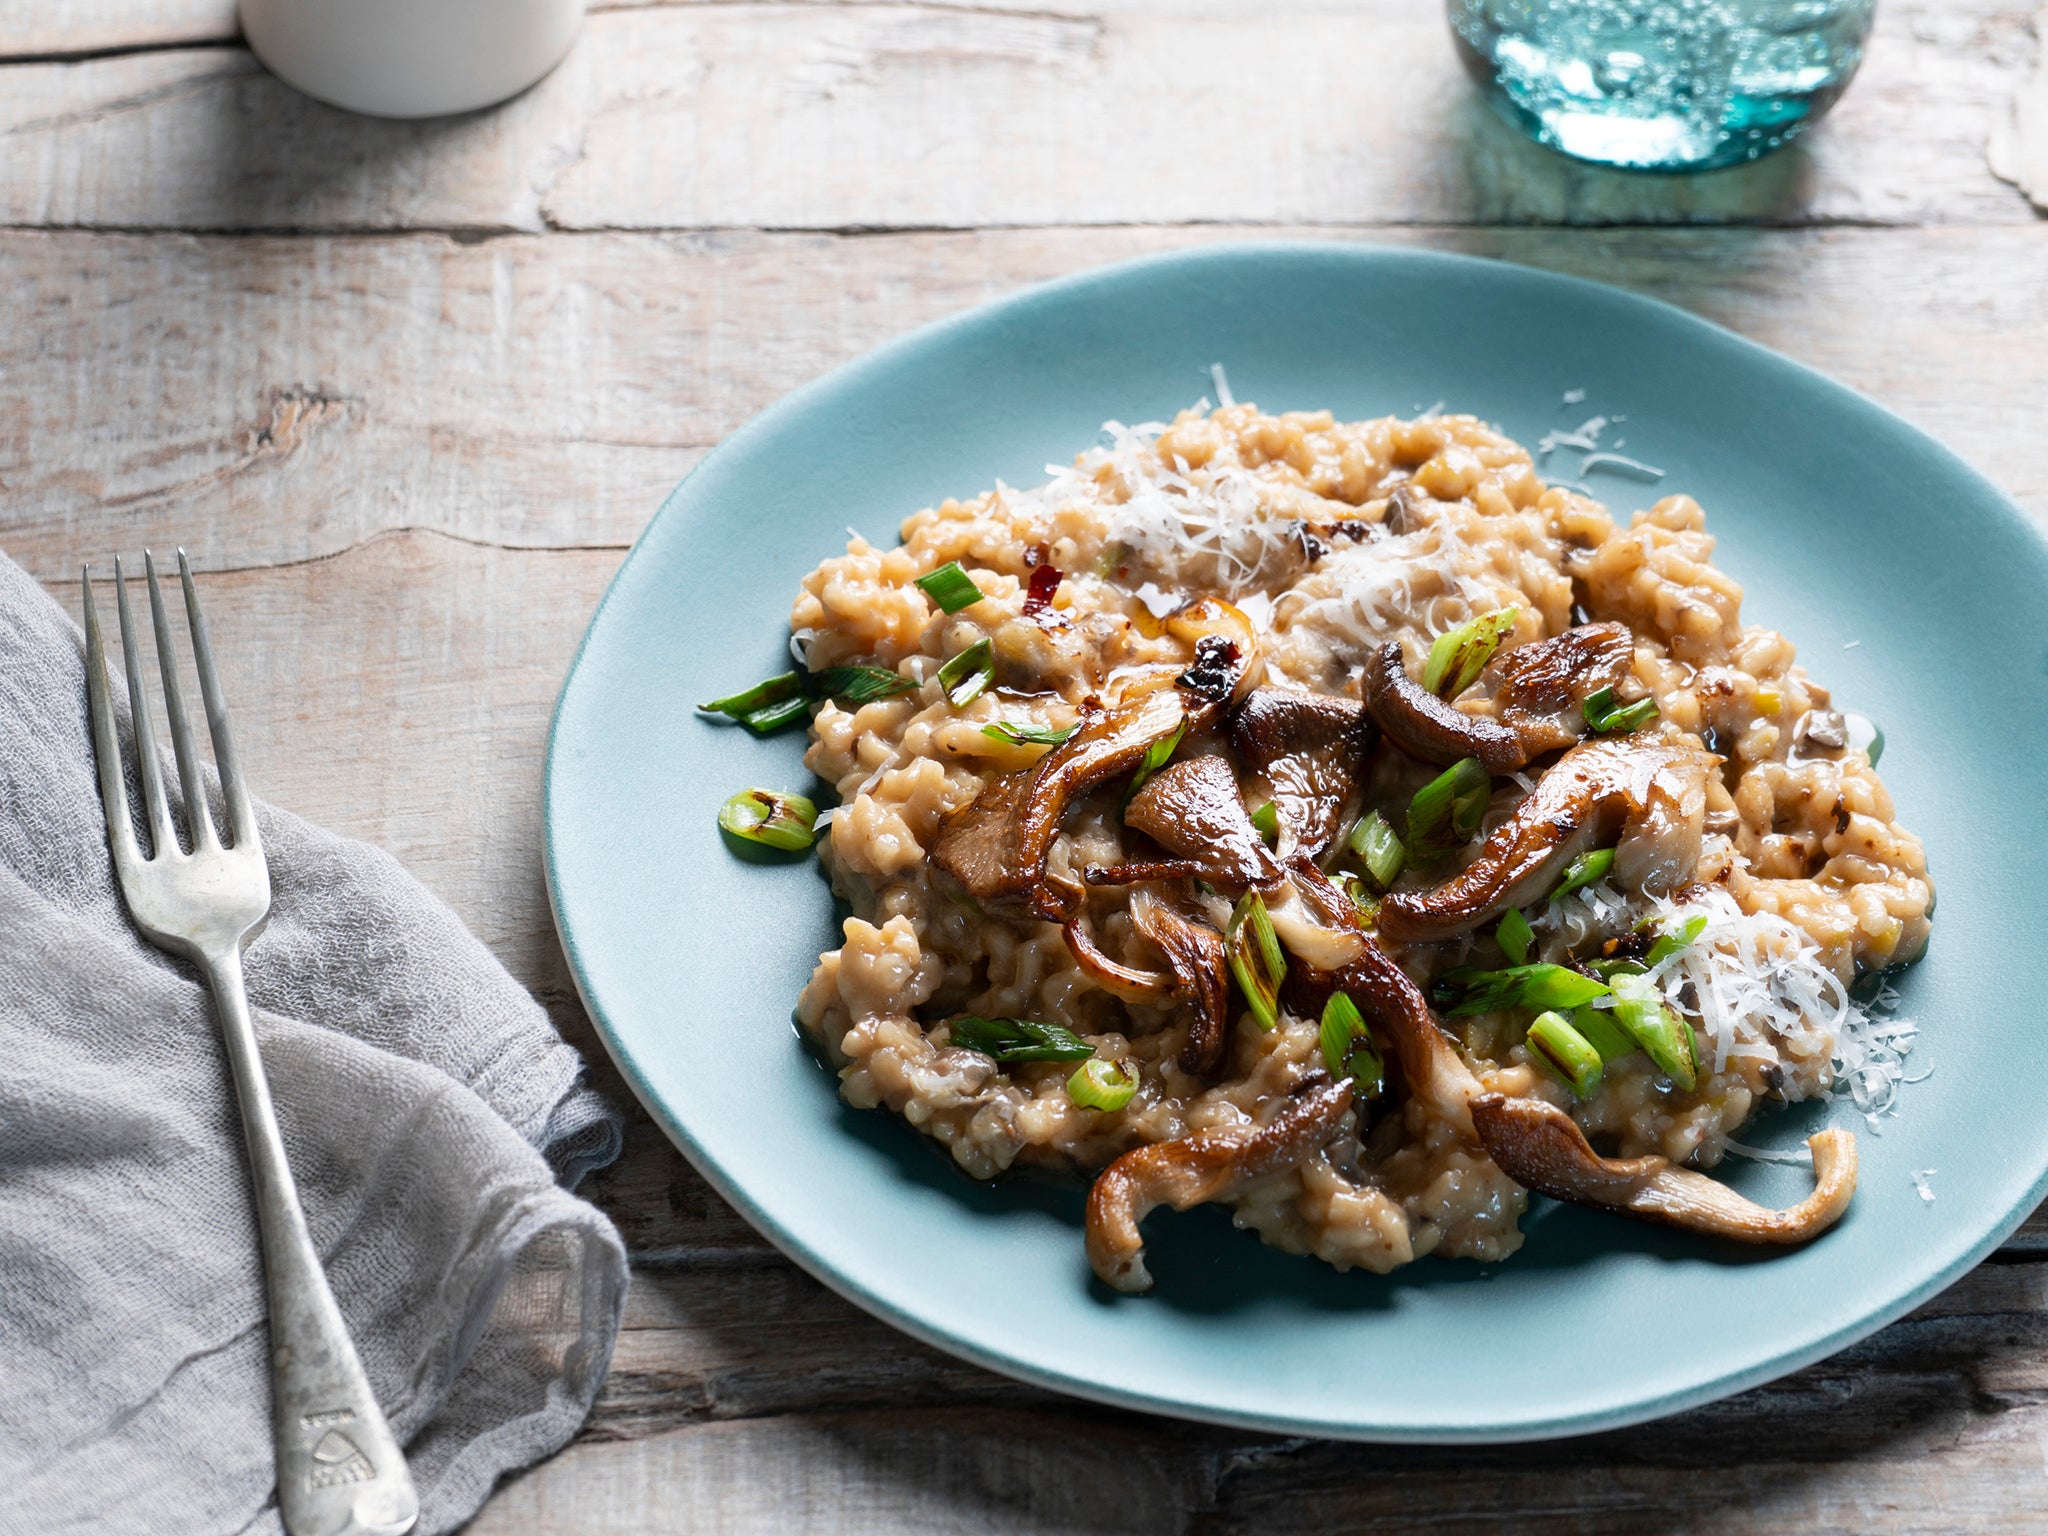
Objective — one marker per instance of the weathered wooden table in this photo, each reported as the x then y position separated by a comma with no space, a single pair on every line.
408,390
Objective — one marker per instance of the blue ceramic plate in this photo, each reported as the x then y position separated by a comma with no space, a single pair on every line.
1844,525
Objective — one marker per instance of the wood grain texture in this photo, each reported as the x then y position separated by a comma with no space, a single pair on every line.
944,115
267,400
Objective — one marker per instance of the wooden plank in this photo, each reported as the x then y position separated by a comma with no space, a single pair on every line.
879,116
266,400
39,29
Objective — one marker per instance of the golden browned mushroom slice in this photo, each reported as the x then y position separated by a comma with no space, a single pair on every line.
1194,1170
1201,974
1312,749
1542,1148
1646,798
1385,994
1192,809
1424,726
1538,690
997,846
1113,976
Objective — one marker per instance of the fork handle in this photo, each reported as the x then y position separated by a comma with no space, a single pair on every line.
340,1471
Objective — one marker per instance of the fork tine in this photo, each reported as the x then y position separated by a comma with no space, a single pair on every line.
198,819
161,838
106,746
241,815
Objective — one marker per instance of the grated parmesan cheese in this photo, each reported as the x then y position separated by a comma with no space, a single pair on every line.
1920,1178
1757,990
1222,382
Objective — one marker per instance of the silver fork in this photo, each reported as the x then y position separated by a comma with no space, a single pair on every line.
340,1471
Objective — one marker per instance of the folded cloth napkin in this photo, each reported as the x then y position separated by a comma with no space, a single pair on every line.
430,1111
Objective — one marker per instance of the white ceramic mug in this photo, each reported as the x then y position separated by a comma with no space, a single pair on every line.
410,58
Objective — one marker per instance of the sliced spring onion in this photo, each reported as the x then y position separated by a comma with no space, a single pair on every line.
1586,869
1267,820
1670,943
1603,1034
1514,936
774,821
950,587
770,718
860,685
767,706
1022,733
1640,1009
1864,736
1379,847
1256,959
1100,1084
1609,718
965,676
1362,897
1553,1041
1348,1049
785,698
1010,1040
1155,758
1448,809
784,685
1460,655
1538,986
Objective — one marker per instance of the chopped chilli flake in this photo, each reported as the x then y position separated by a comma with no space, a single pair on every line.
1045,581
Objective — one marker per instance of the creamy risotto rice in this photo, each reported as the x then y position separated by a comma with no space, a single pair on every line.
1207,607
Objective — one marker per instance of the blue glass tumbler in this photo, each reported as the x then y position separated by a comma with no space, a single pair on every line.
1675,85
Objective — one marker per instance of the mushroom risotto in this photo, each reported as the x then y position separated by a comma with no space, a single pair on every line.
1334,822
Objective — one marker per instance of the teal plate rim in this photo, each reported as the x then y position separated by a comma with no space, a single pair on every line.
1229,273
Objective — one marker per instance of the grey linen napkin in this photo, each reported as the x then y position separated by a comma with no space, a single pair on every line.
431,1113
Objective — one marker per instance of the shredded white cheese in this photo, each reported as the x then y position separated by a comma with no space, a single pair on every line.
1575,397
1620,462
1920,1178
1757,990
1222,382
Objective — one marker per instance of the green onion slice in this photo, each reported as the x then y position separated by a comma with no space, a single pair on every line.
966,675
771,718
1514,936
1460,655
1256,959
1863,736
1676,939
1100,1084
784,685
1585,870
1379,847
1155,759
1538,986
1553,1041
1010,1040
1603,1034
950,587
860,685
1362,898
1267,820
772,820
1448,809
1608,718
1640,1009
1022,733
1348,1049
